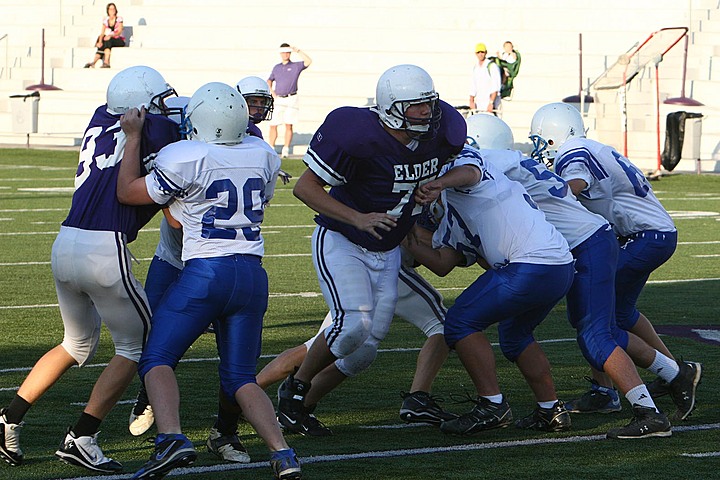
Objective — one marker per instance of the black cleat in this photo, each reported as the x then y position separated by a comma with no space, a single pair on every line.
598,399
658,388
485,415
421,407
683,387
646,423
554,419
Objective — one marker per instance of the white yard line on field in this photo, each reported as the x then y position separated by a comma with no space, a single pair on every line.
225,467
317,294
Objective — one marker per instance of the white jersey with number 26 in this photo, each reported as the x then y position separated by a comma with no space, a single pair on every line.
219,192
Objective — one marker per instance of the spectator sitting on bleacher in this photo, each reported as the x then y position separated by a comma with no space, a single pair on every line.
110,36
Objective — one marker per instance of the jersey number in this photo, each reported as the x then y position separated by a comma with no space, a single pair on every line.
636,177
254,188
541,173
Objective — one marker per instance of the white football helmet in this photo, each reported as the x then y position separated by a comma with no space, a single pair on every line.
551,126
257,87
137,87
488,131
216,113
397,89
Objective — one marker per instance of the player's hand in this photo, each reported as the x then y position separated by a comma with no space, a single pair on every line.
428,193
132,121
284,177
375,223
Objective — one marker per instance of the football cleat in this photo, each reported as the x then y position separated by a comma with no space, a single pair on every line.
646,423
554,419
227,447
141,416
172,450
10,441
598,399
85,452
486,415
285,465
683,388
421,407
292,414
658,388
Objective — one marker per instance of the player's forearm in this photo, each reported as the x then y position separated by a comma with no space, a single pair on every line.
462,176
313,194
130,182
440,261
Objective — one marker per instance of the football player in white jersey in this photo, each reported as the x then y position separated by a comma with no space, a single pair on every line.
608,184
491,220
590,301
373,159
91,265
218,183
166,266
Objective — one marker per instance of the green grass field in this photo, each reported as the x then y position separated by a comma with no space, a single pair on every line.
370,441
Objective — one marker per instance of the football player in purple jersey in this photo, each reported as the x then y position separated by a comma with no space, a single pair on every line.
373,159
91,265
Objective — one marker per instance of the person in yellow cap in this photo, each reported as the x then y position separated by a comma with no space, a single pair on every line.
485,83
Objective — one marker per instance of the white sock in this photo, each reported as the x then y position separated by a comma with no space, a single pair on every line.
664,366
547,405
640,396
494,398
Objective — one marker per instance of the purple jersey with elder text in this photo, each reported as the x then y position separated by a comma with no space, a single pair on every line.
370,171
94,204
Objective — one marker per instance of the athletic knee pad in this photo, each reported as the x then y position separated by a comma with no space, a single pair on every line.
230,386
82,351
353,334
621,336
596,349
512,347
148,361
627,320
359,360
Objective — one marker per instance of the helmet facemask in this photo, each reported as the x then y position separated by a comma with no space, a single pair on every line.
542,151
265,111
417,128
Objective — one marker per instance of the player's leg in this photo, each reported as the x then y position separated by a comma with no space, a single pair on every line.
238,340
187,308
639,257
465,322
345,283
161,275
420,304
104,274
288,361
